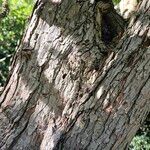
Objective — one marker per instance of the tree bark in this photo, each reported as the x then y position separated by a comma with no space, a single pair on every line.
70,87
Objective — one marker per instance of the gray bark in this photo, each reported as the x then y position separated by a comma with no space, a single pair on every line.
69,89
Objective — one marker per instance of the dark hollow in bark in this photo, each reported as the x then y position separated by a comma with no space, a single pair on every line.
68,88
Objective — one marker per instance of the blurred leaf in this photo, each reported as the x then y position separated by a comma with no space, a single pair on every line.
11,29
116,1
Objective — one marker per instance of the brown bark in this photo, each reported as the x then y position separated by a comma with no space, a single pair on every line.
70,90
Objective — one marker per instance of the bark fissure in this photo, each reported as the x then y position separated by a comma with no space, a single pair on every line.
77,89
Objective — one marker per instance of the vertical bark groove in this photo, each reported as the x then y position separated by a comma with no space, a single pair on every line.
71,90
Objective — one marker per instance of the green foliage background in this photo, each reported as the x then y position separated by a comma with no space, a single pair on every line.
11,30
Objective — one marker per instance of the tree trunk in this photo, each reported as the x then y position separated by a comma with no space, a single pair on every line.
73,88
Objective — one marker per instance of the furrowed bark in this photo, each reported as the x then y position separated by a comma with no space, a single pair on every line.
69,87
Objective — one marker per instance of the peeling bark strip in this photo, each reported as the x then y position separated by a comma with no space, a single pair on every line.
70,91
